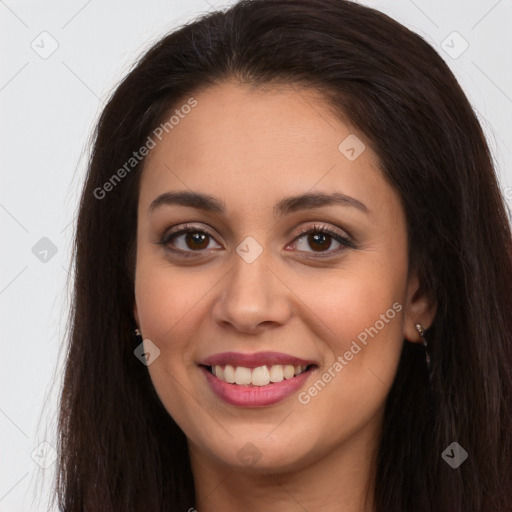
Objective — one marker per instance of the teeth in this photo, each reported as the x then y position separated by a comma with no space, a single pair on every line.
229,374
218,372
289,371
260,376
276,373
242,375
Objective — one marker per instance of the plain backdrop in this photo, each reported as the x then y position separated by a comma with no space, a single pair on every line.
59,62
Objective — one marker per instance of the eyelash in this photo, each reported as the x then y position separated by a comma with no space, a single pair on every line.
316,229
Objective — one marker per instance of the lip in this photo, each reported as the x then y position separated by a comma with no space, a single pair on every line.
255,396
254,360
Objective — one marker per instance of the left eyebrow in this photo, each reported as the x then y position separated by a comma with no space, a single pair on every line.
311,200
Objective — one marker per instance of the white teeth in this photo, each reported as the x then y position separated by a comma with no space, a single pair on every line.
242,375
229,374
289,371
218,371
260,376
276,373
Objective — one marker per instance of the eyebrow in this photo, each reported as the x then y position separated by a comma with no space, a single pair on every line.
285,206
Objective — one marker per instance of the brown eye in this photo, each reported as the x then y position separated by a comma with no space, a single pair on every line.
196,240
188,239
320,240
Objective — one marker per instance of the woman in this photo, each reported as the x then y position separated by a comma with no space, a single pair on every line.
293,278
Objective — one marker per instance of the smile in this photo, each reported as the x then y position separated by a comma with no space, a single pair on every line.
255,380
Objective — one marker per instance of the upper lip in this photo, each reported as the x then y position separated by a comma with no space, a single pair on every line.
254,360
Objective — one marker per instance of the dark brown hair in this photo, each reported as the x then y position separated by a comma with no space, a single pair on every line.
119,448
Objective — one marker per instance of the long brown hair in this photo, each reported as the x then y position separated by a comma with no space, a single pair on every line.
119,450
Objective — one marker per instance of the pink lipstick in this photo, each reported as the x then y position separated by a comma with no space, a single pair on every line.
255,380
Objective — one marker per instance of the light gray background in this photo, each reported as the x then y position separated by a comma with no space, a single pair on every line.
48,108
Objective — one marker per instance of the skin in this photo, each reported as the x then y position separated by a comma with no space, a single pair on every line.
251,148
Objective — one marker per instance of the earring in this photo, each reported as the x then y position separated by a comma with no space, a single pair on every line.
138,335
421,332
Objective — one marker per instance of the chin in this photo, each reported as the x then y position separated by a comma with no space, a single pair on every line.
259,452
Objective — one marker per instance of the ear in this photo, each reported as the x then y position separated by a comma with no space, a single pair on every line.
420,308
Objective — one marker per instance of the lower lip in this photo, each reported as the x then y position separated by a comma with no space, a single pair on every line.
255,396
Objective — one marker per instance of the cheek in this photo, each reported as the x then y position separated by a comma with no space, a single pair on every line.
167,295
361,323
171,303
166,305
364,339
349,302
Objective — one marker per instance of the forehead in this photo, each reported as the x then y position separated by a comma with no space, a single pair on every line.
252,145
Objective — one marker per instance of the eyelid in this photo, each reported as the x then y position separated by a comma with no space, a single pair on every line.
325,229
184,228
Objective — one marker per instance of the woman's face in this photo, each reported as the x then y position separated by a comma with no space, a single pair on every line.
310,326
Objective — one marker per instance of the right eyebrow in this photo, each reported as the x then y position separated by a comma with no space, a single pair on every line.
190,199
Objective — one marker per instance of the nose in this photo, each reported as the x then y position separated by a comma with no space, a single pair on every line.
252,297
